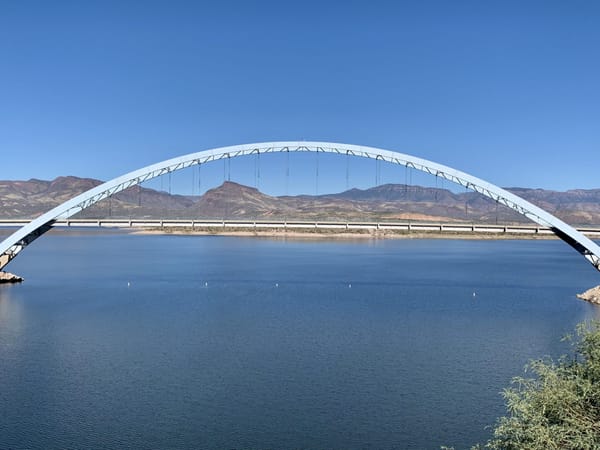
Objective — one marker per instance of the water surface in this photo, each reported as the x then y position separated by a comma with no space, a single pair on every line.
120,341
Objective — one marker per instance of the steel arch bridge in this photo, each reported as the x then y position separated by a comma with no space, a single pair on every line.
15,243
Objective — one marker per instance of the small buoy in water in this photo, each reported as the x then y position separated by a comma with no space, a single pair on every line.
128,284
474,294
276,284
206,284
350,285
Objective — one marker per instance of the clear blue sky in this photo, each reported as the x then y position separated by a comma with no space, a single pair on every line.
507,91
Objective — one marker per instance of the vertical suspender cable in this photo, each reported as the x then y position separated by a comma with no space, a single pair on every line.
199,179
442,187
497,212
347,170
376,167
193,182
466,202
255,167
287,172
410,189
169,200
317,174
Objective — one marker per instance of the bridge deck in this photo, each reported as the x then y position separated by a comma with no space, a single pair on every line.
406,226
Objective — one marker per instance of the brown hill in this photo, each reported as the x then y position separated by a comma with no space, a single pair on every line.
28,199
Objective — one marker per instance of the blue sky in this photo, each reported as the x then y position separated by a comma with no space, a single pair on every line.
507,91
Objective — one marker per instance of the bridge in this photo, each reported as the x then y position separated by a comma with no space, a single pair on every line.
16,242
225,225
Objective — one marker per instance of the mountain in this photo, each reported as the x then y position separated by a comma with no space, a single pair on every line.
28,199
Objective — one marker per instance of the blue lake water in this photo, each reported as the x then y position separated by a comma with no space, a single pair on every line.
123,341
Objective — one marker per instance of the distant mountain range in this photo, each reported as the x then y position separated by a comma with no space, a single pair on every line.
28,199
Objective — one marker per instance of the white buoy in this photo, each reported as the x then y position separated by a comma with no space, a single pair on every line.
128,284
350,285
474,294
276,284
206,284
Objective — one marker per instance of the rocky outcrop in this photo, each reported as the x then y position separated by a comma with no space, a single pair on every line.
6,277
591,295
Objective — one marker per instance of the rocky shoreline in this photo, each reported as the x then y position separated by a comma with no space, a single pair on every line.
7,277
591,295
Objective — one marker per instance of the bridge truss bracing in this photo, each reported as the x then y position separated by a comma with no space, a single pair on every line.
16,242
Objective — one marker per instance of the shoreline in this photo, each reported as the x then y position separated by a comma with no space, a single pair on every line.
321,234
319,230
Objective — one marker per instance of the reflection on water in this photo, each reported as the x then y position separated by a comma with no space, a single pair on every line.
593,313
4,300
11,311
213,342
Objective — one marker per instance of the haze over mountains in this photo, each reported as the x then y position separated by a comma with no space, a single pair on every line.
28,199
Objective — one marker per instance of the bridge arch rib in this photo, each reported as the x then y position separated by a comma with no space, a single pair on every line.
15,243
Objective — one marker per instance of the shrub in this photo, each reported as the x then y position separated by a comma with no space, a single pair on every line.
559,407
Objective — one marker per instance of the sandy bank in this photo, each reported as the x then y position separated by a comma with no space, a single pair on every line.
313,233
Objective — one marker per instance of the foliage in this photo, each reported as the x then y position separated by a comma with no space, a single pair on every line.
559,408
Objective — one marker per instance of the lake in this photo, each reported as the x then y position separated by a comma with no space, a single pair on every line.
121,341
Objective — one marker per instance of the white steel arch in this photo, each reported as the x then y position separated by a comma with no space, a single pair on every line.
15,243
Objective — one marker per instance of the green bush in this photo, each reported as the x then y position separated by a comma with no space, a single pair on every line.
559,407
